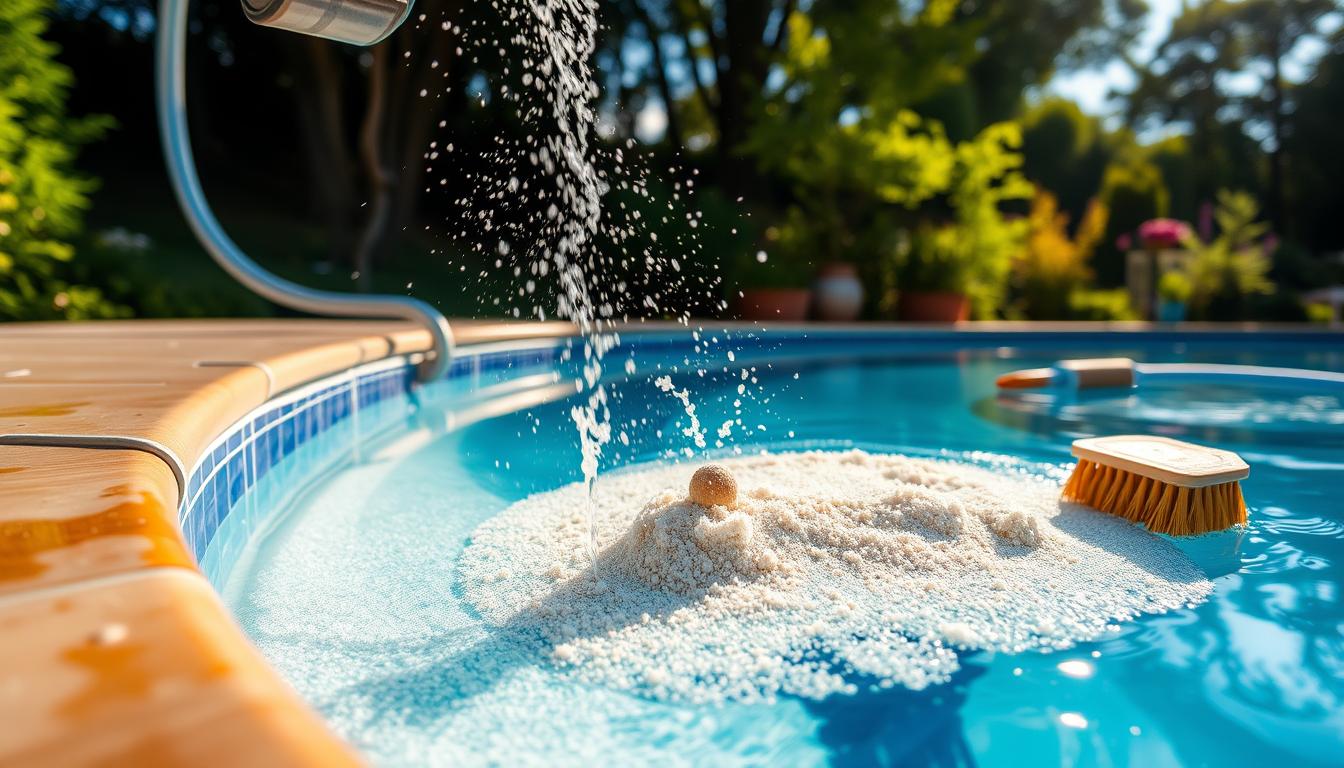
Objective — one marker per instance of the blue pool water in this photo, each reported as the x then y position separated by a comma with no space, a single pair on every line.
350,589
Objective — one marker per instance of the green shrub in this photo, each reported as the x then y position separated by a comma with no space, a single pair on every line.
1322,314
1174,287
1110,304
42,198
1234,265
971,252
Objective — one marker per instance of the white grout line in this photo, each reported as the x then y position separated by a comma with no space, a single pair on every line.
251,437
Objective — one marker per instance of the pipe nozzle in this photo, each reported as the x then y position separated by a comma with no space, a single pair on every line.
358,22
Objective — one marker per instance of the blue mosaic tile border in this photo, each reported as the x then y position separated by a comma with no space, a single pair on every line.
276,443
259,443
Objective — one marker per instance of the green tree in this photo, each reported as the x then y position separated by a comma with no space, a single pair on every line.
715,62
1315,189
1082,162
875,182
1198,78
726,51
1273,30
1067,152
42,198
1026,42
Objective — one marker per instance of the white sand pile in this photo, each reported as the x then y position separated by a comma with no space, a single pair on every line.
832,571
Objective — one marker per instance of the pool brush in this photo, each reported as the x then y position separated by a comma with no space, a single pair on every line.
1121,372
1168,486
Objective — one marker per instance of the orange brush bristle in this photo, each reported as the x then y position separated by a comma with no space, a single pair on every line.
1168,486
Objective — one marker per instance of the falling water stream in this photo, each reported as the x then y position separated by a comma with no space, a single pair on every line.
587,242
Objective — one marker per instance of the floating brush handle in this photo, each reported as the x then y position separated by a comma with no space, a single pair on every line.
1074,374
1169,461
1105,372
1121,372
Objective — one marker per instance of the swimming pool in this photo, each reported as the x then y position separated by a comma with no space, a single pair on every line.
343,567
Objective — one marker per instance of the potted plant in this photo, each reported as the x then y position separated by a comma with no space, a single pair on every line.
779,303
837,293
932,282
772,282
1173,293
957,266
771,285
934,306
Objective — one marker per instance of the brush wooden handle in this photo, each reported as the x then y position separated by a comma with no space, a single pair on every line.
1163,459
1115,372
1104,372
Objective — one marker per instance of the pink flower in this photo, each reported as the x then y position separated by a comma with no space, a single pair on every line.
1124,242
1163,233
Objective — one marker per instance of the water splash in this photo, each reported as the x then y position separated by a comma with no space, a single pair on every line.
542,208
692,430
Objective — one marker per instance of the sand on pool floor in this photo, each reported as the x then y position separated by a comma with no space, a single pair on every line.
832,572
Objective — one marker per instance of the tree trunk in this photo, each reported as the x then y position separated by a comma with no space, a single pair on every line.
741,76
673,133
381,178
1277,203
409,140
318,98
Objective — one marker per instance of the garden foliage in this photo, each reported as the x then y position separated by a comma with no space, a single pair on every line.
876,183
1054,265
42,197
1234,265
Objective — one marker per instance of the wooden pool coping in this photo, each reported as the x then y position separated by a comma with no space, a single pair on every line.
116,650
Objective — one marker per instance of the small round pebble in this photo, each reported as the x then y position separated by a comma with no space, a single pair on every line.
713,486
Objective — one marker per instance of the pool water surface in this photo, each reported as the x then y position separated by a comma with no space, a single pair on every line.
351,590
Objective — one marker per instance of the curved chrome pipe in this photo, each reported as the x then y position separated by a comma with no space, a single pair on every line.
170,81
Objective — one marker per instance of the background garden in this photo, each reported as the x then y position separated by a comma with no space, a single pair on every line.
1034,158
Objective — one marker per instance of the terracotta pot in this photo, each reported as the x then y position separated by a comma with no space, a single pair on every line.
837,292
934,307
774,304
